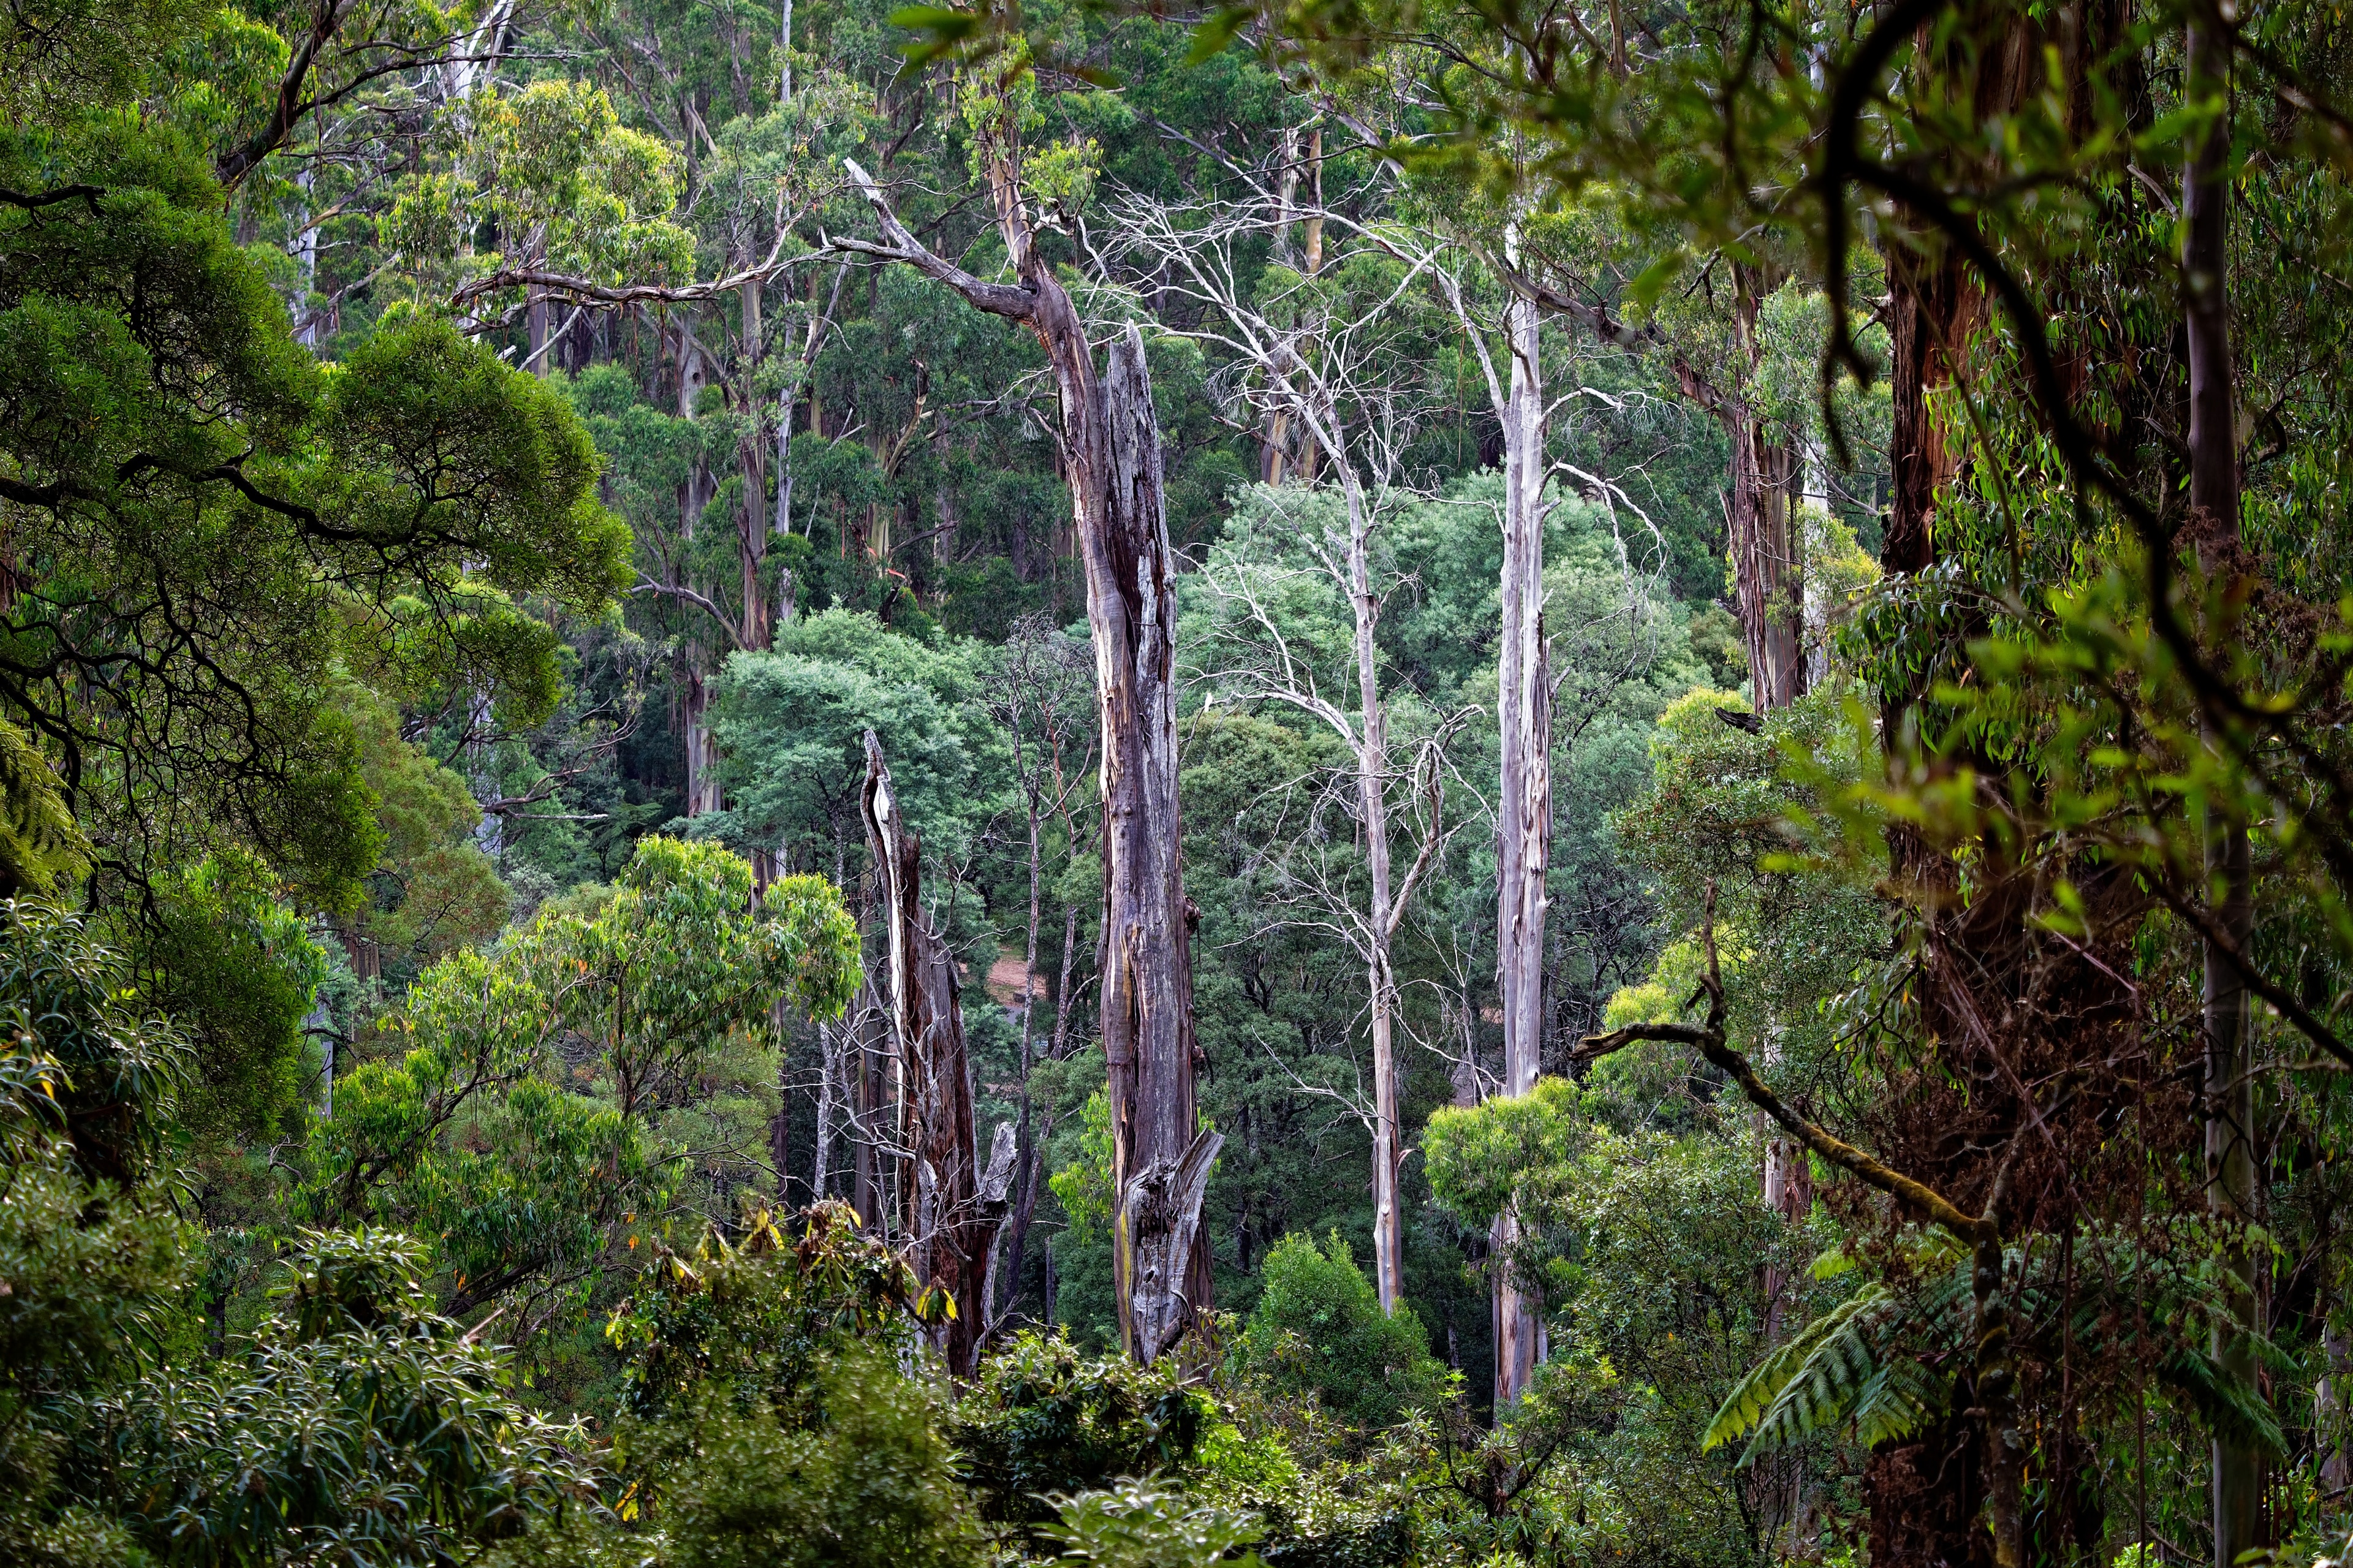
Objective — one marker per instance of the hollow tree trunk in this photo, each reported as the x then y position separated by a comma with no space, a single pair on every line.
951,1207
1523,807
1110,444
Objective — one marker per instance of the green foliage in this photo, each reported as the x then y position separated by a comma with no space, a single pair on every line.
40,847
96,1270
205,510
239,973
434,889
864,1482
767,1418
793,721
353,1421
1478,1156
1833,1372
66,1005
525,1129
756,1322
1043,1417
1318,1329
1145,1524
1083,1187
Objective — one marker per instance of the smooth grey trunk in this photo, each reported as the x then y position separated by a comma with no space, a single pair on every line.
1524,802
1523,721
1372,785
784,57
828,1074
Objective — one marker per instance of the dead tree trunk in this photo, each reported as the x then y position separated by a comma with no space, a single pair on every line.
1110,444
950,1208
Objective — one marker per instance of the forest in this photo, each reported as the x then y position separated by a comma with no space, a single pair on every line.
1320,784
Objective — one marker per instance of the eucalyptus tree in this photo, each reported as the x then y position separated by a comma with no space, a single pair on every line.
1327,354
1109,439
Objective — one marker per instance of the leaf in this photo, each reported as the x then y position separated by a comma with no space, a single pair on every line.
1210,38
1903,1396
2229,1405
1755,1395
1845,1358
1653,280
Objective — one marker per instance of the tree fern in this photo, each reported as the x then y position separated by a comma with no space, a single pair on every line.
1860,1363
2230,1406
1839,1366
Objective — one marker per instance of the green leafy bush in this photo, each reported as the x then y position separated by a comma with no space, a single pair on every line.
857,1476
355,1424
1150,1524
1319,1329
1044,1418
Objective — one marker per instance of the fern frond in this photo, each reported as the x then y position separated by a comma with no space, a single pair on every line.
1901,1398
41,846
2230,1406
1745,1405
1825,1389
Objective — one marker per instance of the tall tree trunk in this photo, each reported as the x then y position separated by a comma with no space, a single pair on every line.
867,1092
1372,747
1025,1144
752,461
784,57
1109,446
1762,539
951,1208
1311,264
828,1075
1523,805
2230,1108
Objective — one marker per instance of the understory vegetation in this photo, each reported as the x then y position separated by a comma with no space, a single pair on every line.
1326,785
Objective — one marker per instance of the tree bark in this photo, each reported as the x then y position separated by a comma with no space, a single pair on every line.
1762,539
1523,805
952,1208
1372,785
1110,441
2230,1110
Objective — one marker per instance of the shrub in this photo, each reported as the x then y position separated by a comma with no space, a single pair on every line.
1319,1329
862,1480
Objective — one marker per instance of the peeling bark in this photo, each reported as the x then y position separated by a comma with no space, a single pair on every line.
1109,440
950,1211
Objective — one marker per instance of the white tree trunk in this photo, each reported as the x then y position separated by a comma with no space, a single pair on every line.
1523,805
1372,746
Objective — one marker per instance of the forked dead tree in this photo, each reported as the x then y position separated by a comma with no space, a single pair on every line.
1109,442
951,1208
